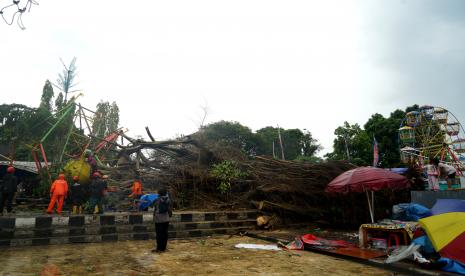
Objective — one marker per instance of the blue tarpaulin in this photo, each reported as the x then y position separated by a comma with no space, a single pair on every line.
452,266
410,212
449,265
426,244
146,200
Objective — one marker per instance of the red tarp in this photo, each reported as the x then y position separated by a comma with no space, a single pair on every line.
339,247
367,179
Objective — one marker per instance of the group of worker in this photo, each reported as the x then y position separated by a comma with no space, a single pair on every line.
59,191
96,191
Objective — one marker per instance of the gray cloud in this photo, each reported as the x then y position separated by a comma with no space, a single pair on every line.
422,45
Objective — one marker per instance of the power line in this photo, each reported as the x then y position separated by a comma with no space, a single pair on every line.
17,11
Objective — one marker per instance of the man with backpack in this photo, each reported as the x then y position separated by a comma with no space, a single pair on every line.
161,215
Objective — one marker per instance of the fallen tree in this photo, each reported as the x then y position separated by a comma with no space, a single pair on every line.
290,189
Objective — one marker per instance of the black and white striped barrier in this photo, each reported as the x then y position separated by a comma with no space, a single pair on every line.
45,230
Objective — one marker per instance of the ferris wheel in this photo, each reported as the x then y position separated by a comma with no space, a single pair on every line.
433,132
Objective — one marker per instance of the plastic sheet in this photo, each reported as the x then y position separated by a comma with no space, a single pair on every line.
402,253
271,247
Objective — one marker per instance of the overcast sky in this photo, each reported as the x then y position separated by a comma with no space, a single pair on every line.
297,64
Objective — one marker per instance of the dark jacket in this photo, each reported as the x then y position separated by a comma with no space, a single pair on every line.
161,217
77,192
97,188
9,184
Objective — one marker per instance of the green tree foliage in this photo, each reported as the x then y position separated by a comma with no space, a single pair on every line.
360,141
113,117
358,145
59,101
47,96
296,143
386,132
16,128
106,119
230,133
226,172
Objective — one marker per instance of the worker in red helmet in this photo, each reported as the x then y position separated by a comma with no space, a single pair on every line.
8,188
77,195
58,193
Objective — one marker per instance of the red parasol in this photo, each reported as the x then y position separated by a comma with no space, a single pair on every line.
364,179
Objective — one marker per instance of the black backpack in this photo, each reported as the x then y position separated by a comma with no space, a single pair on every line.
163,206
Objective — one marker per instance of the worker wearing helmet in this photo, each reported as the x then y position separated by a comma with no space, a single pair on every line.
77,195
136,188
58,193
8,187
136,193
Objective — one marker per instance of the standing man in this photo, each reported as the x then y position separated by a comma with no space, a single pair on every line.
8,188
97,190
77,195
58,193
161,216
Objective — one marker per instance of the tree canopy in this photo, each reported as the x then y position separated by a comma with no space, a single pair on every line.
106,119
296,143
359,141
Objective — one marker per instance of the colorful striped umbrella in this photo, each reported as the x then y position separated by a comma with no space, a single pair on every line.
447,234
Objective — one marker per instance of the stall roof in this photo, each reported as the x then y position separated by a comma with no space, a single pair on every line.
23,165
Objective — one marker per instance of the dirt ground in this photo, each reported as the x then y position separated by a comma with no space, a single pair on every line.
216,256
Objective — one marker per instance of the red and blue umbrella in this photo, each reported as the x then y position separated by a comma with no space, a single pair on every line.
447,234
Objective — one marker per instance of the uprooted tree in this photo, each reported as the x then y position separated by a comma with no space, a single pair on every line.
218,175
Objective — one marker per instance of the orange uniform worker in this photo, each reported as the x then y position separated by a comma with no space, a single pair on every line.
58,192
136,189
136,193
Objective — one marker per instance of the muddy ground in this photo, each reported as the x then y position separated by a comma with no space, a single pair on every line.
215,256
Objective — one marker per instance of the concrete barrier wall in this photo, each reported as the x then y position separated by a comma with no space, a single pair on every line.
428,198
45,230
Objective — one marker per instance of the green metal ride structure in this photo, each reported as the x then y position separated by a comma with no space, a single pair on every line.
74,143
432,132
